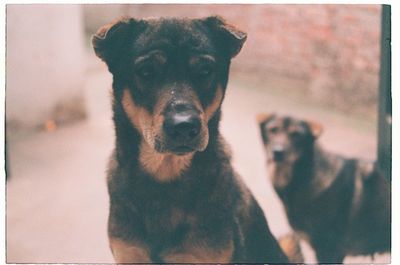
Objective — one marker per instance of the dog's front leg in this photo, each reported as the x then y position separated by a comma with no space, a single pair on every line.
132,252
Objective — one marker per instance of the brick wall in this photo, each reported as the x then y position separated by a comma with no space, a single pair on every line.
330,51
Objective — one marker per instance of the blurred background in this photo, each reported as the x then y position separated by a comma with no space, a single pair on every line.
318,62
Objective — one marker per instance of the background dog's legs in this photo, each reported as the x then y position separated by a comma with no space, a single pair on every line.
329,254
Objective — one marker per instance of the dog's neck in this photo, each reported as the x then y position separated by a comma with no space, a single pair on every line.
287,175
311,174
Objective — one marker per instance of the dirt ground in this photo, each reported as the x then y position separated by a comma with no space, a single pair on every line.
57,202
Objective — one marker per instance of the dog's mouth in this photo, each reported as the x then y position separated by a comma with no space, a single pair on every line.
278,158
182,150
179,148
283,157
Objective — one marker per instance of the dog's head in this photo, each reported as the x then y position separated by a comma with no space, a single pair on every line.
285,138
170,76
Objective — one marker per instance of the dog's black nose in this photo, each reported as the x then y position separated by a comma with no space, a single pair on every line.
278,154
182,127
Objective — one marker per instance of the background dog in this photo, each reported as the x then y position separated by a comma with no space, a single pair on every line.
341,206
174,196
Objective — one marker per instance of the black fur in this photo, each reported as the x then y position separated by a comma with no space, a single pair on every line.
322,198
209,190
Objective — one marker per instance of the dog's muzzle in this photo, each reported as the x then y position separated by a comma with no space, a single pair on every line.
278,153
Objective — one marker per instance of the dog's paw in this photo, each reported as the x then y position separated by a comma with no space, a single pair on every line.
290,245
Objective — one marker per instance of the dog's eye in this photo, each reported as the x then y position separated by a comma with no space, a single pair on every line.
146,71
295,134
205,71
202,67
273,129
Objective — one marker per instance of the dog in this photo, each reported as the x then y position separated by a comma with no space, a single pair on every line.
174,196
341,206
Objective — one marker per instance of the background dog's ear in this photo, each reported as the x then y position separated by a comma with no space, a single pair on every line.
230,37
263,117
110,39
315,128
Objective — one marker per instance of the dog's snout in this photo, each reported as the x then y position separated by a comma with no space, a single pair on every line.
182,126
278,153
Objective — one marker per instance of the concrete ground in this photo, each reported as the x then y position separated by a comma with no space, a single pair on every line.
57,202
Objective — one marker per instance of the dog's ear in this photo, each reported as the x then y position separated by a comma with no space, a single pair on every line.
264,117
315,128
111,39
227,35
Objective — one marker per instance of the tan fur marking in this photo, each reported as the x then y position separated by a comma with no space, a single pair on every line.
315,127
358,192
102,32
280,176
163,166
212,108
291,247
138,115
261,117
303,236
366,167
201,254
129,252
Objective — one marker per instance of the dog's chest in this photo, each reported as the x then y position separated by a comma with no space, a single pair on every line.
168,217
165,224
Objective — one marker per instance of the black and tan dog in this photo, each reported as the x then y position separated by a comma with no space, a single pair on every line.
341,206
174,196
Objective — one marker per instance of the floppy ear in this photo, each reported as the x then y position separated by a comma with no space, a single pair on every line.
110,39
229,37
315,128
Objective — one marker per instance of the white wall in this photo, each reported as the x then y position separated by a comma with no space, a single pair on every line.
96,16
45,63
